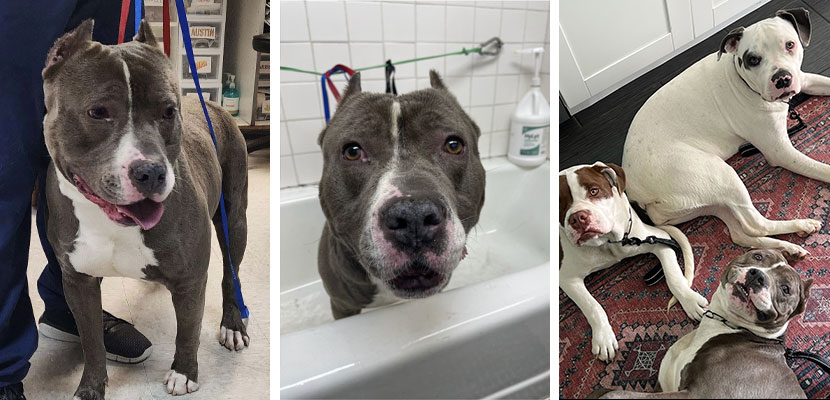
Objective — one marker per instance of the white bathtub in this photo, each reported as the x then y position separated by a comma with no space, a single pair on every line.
486,335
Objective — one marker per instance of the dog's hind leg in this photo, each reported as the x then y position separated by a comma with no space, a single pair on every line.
740,237
233,160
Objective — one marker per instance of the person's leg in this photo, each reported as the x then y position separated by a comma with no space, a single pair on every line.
25,38
123,342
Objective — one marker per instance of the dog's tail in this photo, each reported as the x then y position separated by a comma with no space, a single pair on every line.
688,257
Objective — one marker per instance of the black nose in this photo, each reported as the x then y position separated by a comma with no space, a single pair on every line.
412,223
148,176
782,78
756,279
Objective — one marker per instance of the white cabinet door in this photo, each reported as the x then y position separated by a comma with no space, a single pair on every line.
604,44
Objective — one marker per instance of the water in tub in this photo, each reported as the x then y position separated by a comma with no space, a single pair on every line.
507,239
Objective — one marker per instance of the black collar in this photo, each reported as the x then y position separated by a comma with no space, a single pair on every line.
634,241
788,351
717,317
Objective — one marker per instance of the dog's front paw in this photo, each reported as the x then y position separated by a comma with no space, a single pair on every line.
178,384
794,251
604,343
808,227
694,305
234,336
88,393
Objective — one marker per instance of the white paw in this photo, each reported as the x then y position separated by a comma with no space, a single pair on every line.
233,340
694,305
178,384
808,227
795,251
604,343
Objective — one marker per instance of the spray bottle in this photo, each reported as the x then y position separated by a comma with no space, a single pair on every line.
530,123
230,97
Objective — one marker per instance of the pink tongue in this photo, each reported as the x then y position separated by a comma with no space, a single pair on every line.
146,213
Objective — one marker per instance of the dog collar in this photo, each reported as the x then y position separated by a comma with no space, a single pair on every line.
628,240
789,352
717,317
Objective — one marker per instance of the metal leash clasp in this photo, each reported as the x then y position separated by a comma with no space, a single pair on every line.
494,42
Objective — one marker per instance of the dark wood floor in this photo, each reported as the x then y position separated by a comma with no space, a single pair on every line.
598,132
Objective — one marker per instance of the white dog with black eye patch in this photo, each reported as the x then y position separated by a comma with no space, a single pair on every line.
677,143
594,216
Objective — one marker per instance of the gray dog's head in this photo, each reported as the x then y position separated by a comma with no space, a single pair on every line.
112,125
768,54
761,291
402,184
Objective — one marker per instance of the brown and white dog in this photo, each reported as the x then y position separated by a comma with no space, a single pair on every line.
739,356
594,210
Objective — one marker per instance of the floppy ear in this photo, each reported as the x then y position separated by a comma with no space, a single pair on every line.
729,44
800,18
615,174
353,88
435,80
67,45
145,34
805,294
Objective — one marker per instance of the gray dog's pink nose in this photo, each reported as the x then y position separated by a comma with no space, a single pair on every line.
413,223
148,177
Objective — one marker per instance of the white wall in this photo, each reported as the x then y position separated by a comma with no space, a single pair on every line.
316,35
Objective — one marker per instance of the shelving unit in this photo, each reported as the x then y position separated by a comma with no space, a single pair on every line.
207,32
246,19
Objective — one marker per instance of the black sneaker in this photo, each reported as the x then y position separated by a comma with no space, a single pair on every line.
12,392
123,342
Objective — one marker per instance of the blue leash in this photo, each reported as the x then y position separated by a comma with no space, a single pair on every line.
180,10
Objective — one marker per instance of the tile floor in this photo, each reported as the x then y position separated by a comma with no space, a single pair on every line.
57,366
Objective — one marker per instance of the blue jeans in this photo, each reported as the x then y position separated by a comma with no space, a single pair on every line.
27,31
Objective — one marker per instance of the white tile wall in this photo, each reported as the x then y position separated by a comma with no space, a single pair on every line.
316,35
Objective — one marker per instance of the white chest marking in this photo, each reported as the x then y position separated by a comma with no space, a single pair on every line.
103,248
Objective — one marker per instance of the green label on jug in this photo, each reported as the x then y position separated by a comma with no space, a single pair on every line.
532,138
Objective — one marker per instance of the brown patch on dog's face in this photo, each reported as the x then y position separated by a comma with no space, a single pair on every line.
565,198
594,182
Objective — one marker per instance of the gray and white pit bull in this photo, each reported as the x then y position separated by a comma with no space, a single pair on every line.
594,215
402,186
676,146
133,188
759,293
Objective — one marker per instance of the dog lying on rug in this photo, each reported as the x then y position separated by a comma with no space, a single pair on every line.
596,226
737,351
678,142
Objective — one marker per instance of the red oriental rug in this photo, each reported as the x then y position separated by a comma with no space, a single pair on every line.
638,313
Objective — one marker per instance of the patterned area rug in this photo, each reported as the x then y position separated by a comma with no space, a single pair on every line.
637,312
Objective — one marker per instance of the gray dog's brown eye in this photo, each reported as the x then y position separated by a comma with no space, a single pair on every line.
169,113
757,257
352,152
98,113
454,145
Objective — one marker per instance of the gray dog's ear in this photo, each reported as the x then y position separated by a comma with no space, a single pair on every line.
435,80
729,43
804,295
67,45
145,34
615,174
353,88
800,18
